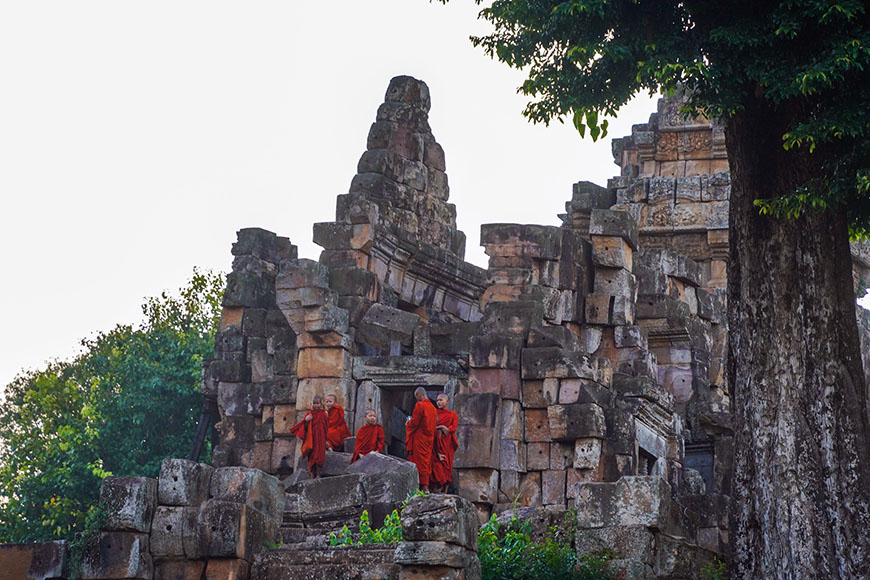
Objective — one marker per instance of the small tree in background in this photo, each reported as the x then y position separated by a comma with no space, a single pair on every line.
127,402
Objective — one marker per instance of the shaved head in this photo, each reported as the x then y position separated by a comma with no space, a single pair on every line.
420,393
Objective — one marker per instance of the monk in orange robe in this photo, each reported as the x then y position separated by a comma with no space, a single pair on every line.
420,435
369,437
312,430
445,445
338,430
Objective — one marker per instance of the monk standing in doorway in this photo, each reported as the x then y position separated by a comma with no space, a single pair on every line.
420,435
445,445
338,430
312,430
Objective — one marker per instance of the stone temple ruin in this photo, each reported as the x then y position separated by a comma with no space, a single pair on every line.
586,363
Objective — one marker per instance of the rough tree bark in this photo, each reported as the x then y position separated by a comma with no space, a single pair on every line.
802,446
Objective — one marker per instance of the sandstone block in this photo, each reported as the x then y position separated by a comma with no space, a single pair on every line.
355,207
226,529
505,382
537,456
541,393
423,572
406,89
512,317
167,532
630,501
561,455
576,421
183,482
326,319
39,561
282,452
179,570
478,409
251,288
530,488
512,425
336,463
440,518
608,310
116,556
354,282
324,362
587,453
615,282
495,351
509,486
553,487
584,391
630,542
537,425
283,418
577,477
129,503
512,455
251,487
383,324
344,389
387,479
301,273
554,336
339,236
515,239
318,496
477,485
611,252
542,363
432,553
612,223
227,569
478,447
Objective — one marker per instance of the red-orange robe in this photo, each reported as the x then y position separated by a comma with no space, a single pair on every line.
446,445
338,430
315,432
368,438
419,437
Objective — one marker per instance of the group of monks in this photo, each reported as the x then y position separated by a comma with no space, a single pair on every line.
430,437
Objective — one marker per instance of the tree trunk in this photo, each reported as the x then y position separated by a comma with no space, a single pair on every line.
801,503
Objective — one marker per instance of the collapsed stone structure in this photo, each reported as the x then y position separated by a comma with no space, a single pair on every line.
586,355
586,363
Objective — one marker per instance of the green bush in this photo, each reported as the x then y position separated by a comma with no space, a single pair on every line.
715,570
508,553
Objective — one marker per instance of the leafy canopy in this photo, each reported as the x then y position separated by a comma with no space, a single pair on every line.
807,59
127,402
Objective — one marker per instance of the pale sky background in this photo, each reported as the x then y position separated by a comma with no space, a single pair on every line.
136,138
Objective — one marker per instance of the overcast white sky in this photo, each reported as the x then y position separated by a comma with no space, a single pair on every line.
136,138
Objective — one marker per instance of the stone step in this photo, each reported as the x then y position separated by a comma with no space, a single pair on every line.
330,563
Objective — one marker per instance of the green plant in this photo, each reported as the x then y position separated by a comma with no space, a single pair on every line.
273,545
715,570
389,533
507,552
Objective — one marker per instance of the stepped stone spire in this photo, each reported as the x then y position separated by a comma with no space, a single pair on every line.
401,176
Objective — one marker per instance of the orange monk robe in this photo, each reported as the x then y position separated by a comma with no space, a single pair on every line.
419,437
446,445
338,430
369,438
314,432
